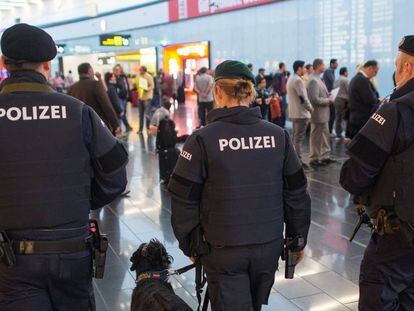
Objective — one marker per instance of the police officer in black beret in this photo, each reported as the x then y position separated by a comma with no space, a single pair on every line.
57,161
238,180
381,170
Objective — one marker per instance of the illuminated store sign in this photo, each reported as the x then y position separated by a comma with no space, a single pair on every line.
114,40
187,58
198,49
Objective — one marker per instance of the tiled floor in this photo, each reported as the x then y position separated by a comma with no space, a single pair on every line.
326,280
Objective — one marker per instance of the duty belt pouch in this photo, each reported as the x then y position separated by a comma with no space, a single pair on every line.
389,223
7,255
99,248
198,245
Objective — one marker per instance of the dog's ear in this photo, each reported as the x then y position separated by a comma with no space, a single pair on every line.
136,257
159,253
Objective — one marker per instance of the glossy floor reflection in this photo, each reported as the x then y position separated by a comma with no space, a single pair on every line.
326,280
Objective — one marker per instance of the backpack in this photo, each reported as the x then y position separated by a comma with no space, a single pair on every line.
166,134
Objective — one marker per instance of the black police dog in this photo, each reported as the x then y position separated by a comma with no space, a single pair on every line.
153,292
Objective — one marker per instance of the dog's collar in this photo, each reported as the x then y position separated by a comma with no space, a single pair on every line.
155,275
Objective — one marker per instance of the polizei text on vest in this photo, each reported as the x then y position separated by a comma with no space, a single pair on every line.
33,113
247,143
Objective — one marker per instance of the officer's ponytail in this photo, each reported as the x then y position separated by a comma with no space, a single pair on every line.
244,91
240,89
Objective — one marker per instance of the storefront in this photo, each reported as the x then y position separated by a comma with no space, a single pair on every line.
130,60
3,71
186,57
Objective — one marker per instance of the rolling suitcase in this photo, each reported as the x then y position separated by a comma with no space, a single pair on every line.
167,161
167,152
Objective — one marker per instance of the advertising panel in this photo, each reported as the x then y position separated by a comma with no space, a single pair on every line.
183,9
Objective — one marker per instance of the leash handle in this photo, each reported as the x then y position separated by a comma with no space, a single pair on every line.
182,270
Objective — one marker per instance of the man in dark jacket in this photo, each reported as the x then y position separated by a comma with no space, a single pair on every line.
363,98
93,93
381,168
124,93
279,87
329,79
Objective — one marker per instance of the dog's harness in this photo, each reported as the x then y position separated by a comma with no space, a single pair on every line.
163,276
146,276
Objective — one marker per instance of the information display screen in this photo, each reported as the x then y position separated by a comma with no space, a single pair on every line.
114,40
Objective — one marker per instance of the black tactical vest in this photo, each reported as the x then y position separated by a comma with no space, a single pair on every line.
44,164
242,199
394,188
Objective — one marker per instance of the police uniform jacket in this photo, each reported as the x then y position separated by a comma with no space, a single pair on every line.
57,158
240,179
382,154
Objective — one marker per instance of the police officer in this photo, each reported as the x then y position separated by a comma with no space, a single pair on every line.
381,168
239,179
57,161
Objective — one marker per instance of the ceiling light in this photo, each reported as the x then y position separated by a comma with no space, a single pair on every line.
12,4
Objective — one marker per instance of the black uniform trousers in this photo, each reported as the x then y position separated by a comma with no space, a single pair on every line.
387,276
240,278
203,109
48,282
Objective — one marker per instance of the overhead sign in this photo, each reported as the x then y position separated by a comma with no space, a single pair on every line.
114,40
183,9
61,48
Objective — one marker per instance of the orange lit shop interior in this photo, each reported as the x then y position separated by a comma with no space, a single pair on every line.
3,72
189,58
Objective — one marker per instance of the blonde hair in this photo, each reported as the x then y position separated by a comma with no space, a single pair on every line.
241,90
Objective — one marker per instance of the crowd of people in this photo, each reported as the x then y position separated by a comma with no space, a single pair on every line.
109,95
320,102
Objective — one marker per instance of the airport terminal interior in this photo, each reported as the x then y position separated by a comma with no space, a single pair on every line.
174,40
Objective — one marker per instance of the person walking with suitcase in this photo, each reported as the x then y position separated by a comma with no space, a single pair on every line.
163,127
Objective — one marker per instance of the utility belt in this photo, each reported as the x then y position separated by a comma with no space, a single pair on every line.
95,241
387,222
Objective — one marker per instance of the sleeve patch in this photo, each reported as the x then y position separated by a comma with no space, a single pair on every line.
378,118
296,180
112,160
368,152
185,188
186,155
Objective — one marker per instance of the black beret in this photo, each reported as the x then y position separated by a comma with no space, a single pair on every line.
24,43
407,45
232,69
